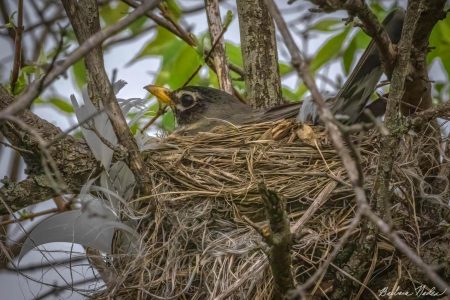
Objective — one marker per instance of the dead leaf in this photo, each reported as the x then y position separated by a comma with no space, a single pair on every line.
306,134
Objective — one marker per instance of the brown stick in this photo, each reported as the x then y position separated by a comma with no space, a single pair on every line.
218,53
100,87
370,23
17,47
279,238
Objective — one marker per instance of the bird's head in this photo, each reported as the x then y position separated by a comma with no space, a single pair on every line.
192,103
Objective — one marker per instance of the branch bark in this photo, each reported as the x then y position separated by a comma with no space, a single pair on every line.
370,23
297,60
416,14
278,238
17,46
417,95
85,21
219,57
73,159
259,52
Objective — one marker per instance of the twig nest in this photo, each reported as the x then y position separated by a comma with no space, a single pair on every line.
197,245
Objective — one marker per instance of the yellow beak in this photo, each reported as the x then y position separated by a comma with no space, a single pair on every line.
161,93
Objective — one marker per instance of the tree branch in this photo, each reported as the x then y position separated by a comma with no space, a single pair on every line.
279,238
370,23
17,47
259,51
85,20
423,117
72,158
296,56
216,33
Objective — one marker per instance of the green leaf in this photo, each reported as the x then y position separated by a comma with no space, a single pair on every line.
327,25
289,94
138,25
228,19
331,49
240,87
60,104
183,66
204,45
173,8
79,74
57,103
113,12
378,9
213,81
284,68
21,83
134,128
348,55
234,53
301,90
168,121
29,69
362,40
440,40
159,45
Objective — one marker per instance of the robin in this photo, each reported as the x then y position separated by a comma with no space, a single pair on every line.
199,108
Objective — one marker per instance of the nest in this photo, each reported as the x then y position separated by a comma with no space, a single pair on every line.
197,244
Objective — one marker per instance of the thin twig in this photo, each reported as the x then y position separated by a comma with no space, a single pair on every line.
62,135
30,216
296,56
182,34
159,112
207,57
370,23
17,47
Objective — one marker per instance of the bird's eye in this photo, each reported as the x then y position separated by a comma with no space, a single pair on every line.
187,100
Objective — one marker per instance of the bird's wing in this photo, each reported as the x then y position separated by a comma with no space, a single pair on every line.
360,85
283,111
356,92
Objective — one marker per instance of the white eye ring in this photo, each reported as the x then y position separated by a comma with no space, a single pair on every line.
186,100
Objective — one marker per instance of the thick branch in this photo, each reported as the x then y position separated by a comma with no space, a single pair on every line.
423,117
73,158
219,57
85,20
259,51
417,95
296,56
279,239
392,118
32,190
371,25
